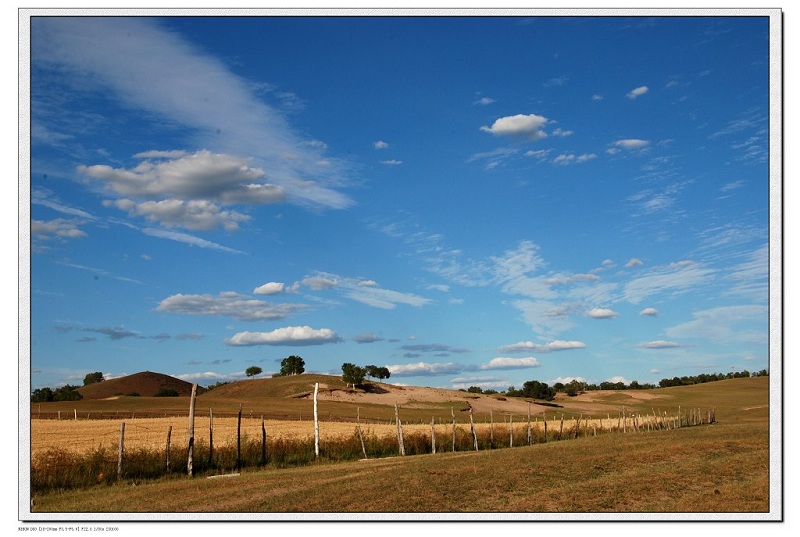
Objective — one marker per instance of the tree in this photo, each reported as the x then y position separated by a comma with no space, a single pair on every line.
42,395
92,378
475,389
538,390
67,393
252,371
353,374
377,372
292,365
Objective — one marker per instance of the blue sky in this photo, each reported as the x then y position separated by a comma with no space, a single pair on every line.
468,201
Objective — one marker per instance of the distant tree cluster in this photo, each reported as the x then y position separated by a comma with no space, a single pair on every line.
92,378
702,378
64,393
292,365
354,375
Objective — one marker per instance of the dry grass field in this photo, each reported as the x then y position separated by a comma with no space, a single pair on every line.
719,468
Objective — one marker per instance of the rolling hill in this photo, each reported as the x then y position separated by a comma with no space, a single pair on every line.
145,384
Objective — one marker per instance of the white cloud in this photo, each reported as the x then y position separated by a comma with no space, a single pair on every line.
637,92
484,101
424,369
601,313
649,312
288,336
519,126
367,337
154,73
511,363
229,304
561,132
391,162
60,228
552,346
202,175
270,288
631,143
660,344
634,262
597,97
195,215
380,145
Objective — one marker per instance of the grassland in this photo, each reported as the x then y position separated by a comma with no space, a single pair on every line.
719,468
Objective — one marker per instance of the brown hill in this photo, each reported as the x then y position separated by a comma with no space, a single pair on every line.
145,384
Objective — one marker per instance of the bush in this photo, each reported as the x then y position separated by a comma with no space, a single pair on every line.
167,392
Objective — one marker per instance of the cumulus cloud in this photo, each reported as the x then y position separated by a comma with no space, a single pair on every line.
195,215
530,346
269,288
60,228
380,145
519,126
230,304
204,175
424,369
649,312
631,144
637,92
511,363
288,336
601,313
484,101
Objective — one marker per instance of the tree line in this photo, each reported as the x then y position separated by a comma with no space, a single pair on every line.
535,389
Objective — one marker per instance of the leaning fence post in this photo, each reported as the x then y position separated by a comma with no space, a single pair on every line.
121,449
316,421
433,437
399,431
191,430
169,435
360,436
472,426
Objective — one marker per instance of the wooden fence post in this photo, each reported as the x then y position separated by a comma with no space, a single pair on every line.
510,430
263,441
491,430
399,430
454,427
210,436
530,431
316,421
121,449
472,427
239,439
360,436
544,417
433,437
169,437
190,461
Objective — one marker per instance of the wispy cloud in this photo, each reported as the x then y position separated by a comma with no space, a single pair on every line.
724,324
154,70
637,92
188,239
552,346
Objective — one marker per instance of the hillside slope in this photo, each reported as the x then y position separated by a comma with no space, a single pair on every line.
145,384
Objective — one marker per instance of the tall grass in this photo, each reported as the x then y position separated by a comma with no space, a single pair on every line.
61,469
